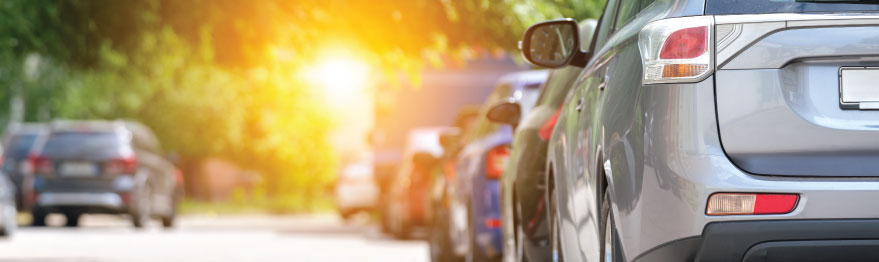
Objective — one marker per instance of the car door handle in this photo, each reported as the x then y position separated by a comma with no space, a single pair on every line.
603,83
579,106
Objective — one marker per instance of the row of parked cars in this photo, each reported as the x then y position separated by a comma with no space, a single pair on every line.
81,167
693,130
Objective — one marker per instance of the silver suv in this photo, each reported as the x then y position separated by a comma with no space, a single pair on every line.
716,130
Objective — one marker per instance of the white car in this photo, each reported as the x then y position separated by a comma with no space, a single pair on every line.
356,189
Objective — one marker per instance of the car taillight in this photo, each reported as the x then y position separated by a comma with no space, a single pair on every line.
127,165
547,127
41,164
496,161
676,50
725,204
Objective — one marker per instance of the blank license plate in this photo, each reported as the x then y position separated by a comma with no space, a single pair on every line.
859,87
79,169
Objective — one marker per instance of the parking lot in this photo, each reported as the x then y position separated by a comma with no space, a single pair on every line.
212,238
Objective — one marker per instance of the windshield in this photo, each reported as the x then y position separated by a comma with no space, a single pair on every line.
729,7
82,145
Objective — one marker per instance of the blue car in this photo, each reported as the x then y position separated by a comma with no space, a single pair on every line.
475,208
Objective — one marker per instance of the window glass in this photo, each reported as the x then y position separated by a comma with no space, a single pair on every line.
605,25
484,126
82,145
727,7
628,10
645,3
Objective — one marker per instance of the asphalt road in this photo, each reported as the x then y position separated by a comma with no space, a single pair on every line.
212,238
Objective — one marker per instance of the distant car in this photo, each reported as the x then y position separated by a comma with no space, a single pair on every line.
442,181
113,167
526,233
410,188
18,141
475,206
356,190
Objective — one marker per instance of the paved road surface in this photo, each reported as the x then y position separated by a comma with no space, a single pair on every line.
212,238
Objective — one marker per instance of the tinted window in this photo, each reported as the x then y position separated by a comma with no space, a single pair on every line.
722,7
484,126
20,145
88,145
605,25
628,9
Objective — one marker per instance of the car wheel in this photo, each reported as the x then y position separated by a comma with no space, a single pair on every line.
140,216
168,221
38,217
72,219
554,226
610,251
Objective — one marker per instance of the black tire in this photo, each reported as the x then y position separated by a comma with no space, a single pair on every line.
168,221
38,218
440,242
72,219
610,251
140,214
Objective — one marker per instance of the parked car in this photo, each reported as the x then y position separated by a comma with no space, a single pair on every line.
8,211
523,213
475,205
114,167
442,186
716,130
356,190
410,188
18,141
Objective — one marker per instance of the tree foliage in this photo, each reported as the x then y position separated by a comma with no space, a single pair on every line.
221,77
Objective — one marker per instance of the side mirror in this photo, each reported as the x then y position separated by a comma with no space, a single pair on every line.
425,160
553,44
507,112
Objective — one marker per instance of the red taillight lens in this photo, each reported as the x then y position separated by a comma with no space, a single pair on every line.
496,162
724,204
685,43
42,165
120,166
493,223
546,130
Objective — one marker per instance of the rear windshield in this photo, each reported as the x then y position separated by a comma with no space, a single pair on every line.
730,7
20,145
82,145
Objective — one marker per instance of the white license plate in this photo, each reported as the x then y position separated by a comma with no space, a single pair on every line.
859,87
79,169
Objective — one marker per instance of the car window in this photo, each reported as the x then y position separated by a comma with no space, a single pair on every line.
729,7
483,126
605,25
65,145
20,145
628,9
645,4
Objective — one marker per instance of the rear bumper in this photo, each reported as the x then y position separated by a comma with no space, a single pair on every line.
776,240
85,195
